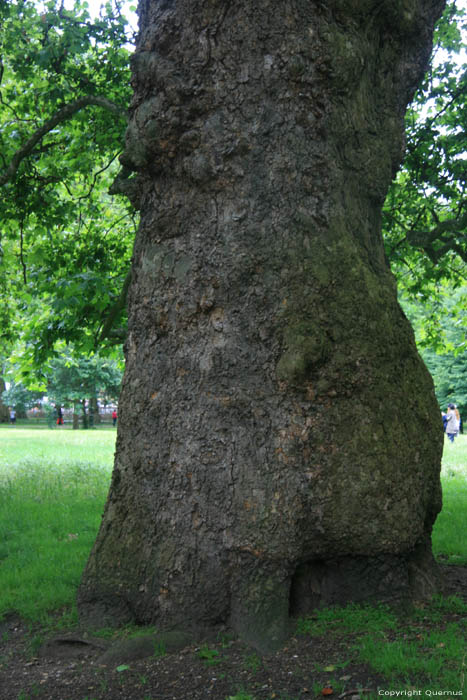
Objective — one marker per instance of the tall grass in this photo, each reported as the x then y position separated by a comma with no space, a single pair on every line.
449,532
53,486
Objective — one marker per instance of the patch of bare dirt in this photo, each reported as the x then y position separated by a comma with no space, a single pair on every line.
74,666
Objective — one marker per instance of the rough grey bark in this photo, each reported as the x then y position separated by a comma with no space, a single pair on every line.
279,441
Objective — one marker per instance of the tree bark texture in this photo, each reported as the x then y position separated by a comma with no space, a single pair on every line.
279,441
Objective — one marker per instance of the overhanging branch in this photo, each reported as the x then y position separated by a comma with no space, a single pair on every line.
62,115
446,234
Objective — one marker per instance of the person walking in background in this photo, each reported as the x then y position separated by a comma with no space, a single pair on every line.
445,420
114,417
452,424
12,416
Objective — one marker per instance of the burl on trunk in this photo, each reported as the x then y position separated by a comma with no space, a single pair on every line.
279,440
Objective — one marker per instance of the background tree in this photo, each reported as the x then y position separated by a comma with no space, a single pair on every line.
6,342
279,439
21,398
81,381
449,373
425,213
442,342
4,412
65,243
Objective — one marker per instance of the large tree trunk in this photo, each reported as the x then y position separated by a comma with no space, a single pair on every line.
279,442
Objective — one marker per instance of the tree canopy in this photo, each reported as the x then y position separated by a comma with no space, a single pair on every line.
425,214
444,354
65,243
71,380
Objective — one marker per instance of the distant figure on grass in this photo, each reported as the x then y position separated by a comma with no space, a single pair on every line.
445,420
114,417
452,424
59,415
12,416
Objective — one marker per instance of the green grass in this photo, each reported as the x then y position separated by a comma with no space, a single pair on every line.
39,444
53,486
435,657
209,656
408,650
449,532
353,618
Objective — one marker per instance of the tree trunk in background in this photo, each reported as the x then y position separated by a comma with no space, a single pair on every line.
84,415
279,441
95,410
76,415
4,410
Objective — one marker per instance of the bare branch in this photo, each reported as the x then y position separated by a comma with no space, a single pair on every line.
62,115
96,175
448,235
446,232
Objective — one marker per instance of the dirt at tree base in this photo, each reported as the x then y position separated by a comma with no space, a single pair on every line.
68,665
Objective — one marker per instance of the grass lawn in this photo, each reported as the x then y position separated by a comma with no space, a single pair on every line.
53,486
407,650
21,444
450,531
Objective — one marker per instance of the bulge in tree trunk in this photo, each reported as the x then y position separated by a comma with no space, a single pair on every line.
279,441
